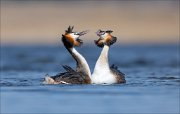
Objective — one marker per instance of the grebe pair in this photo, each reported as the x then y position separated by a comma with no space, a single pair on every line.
103,74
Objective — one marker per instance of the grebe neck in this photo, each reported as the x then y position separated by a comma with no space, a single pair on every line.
82,65
103,59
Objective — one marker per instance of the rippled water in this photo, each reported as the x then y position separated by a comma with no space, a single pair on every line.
152,74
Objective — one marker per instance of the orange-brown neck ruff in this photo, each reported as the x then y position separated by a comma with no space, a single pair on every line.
77,43
108,38
99,42
69,38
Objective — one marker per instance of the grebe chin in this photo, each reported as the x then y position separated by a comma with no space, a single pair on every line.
103,74
82,73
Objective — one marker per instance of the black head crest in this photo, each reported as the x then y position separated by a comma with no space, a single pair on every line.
109,31
70,29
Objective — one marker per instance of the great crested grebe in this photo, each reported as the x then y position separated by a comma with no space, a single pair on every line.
103,74
82,73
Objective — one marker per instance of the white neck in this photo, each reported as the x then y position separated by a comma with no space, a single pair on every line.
82,64
103,59
102,73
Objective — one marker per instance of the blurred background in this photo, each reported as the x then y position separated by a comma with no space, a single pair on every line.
43,22
147,52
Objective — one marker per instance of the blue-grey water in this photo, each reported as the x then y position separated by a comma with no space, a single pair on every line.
152,74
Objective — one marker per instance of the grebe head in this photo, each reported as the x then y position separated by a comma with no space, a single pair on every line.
73,38
105,38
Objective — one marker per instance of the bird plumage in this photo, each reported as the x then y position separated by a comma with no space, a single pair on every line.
82,73
103,74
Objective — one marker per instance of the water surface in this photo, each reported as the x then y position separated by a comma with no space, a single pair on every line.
152,74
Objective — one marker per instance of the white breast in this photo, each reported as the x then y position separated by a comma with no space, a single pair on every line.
103,76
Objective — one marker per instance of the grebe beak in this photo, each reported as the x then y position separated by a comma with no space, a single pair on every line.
78,41
98,32
83,32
